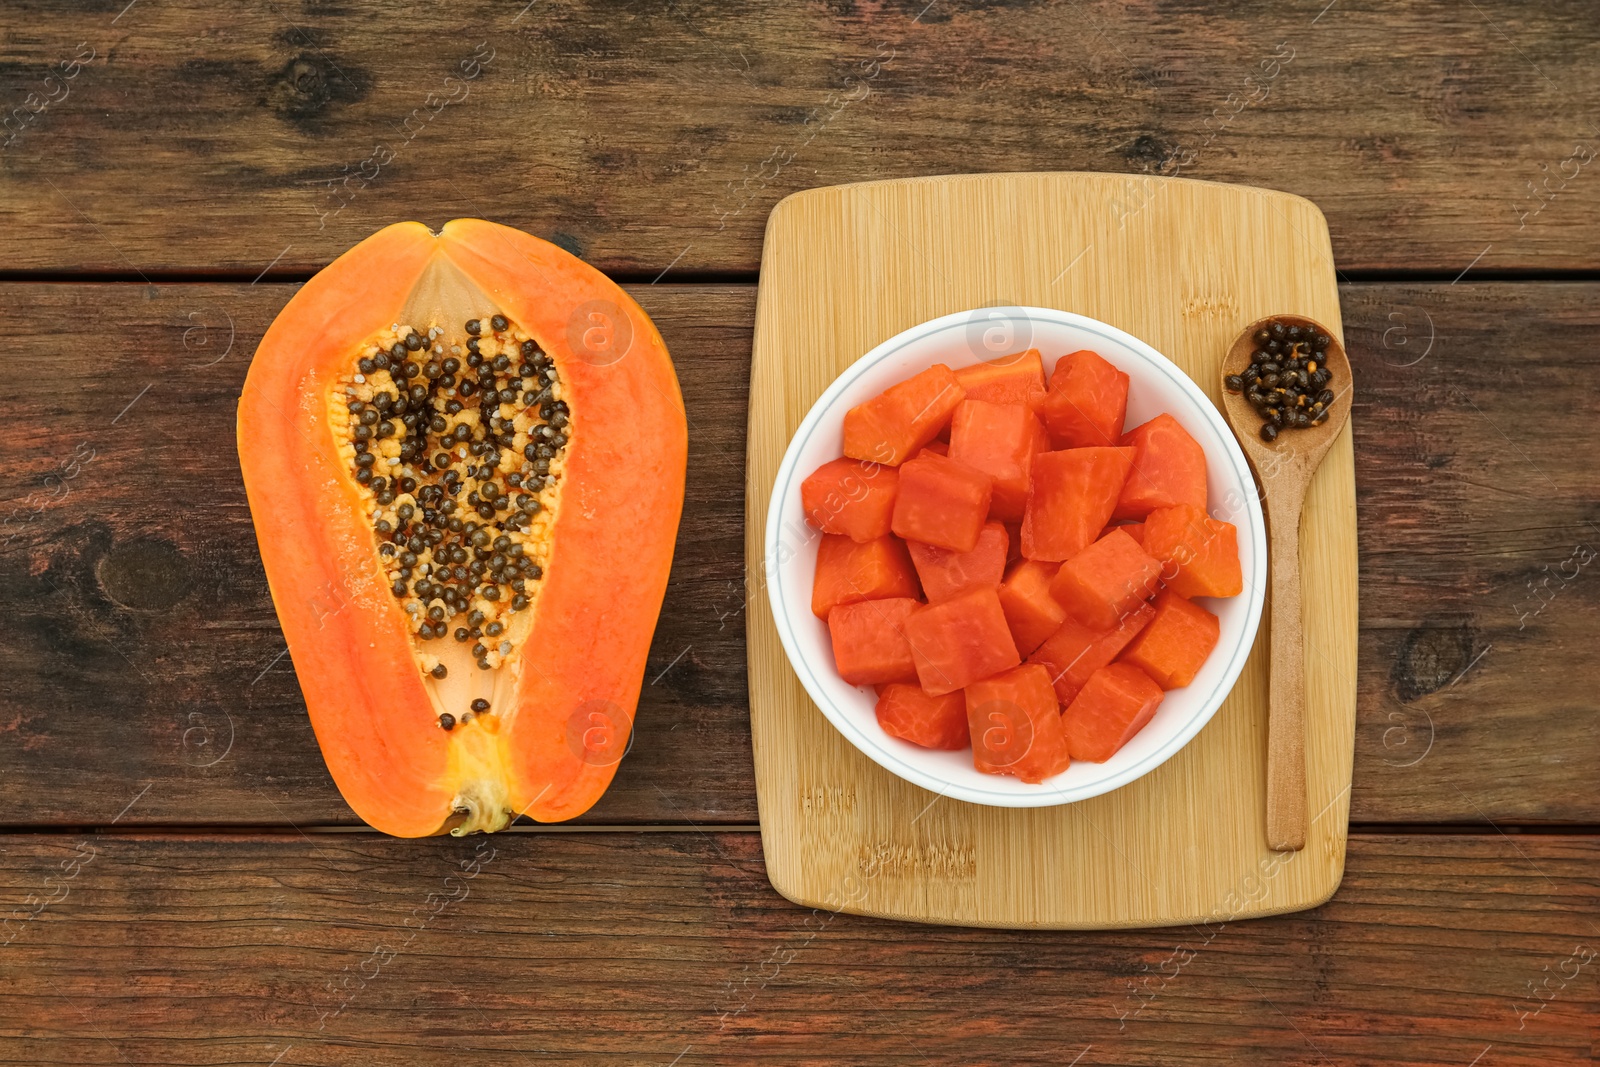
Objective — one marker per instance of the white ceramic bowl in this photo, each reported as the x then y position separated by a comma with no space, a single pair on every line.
959,340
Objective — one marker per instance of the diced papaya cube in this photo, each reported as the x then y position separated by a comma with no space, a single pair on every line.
906,712
1116,703
848,571
1073,494
869,641
893,425
941,502
1014,379
1075,651
851,498
1031,612
1199,555
935,448
1173,648
944,573
1015,721
1169,468
997,439
1105,581
961,640
1087,401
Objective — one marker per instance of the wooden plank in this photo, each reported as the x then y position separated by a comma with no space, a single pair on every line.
100,697
672,948
662,134
1475,446
1198,264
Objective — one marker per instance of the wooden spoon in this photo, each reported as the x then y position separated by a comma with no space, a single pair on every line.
1284,468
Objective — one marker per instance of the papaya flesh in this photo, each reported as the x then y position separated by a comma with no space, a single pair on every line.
465,454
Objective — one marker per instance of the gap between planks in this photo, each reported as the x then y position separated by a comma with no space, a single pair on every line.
154,830
290,830
204,276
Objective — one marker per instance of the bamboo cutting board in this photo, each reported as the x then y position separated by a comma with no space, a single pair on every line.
1184,266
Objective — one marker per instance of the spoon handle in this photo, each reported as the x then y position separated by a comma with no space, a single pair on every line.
1286,699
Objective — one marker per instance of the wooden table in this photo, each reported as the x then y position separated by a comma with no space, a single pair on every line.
181,883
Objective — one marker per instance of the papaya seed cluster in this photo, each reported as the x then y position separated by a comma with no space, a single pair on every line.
459,444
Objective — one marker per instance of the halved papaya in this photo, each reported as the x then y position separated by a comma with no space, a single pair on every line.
465,455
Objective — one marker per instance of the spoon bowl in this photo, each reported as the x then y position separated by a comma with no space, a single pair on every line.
1284,468
1302,448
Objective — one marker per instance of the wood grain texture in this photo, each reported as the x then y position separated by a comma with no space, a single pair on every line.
845,269
196,137
1480,595
662,948
1455,522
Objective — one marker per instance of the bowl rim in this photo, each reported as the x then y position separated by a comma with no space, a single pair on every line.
1047,794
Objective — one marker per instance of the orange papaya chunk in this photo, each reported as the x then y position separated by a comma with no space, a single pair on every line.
906,712
945,574
1086,403
1015,722
852,498
1074,492
1169,468
893,425
999,440
1013,379
1199,554
869,641
1115,703
941,502
1031,612
961,640
364,518
848,571
1106,581
1076,651
1174,646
